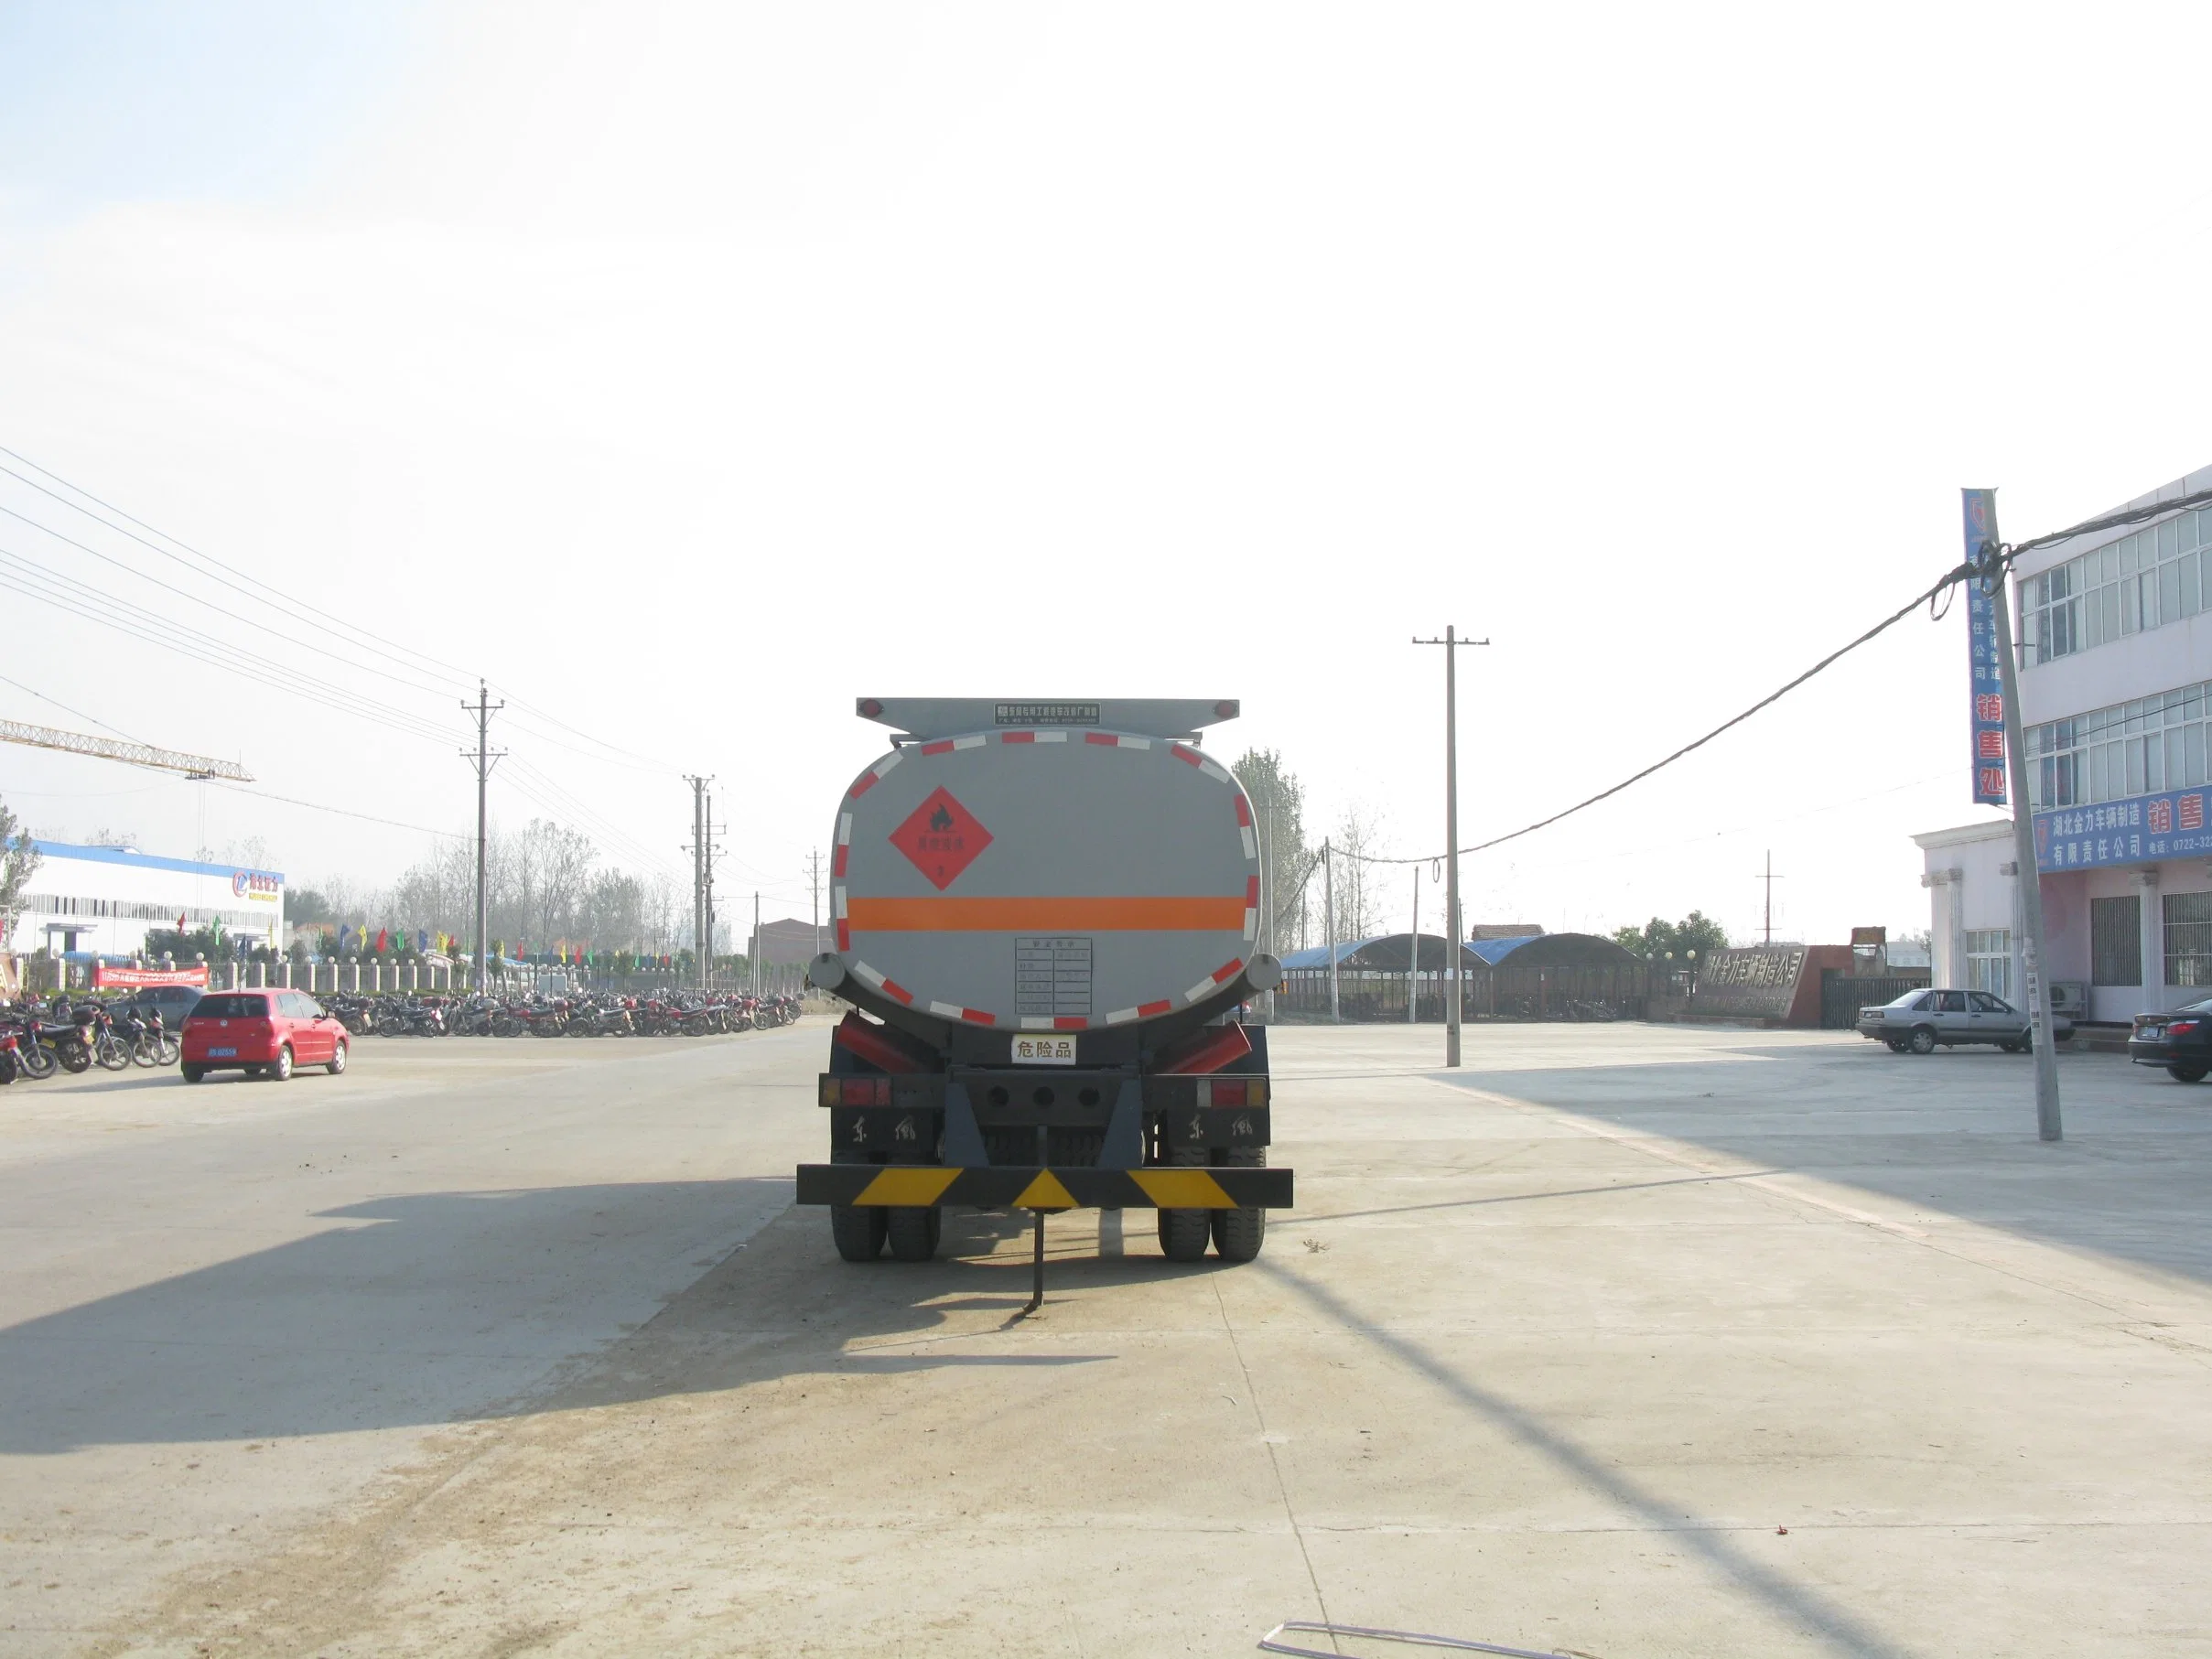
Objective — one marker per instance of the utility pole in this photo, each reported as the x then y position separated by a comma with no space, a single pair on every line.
710,886
1770,878
814,860
701,942
1328,899
1988,557
484,760
753,957
1453,645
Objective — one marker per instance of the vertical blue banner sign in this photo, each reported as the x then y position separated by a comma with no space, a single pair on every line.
1986,682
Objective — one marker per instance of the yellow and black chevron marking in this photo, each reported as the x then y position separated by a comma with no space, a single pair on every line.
1019,1188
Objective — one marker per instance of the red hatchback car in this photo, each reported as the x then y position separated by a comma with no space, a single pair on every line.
260,1033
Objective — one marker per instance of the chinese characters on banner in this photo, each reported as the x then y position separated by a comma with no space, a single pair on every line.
1987,712
2140,829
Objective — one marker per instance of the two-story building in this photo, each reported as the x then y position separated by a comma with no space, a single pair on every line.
2115,635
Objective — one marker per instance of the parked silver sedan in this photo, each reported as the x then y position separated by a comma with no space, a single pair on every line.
1918,1020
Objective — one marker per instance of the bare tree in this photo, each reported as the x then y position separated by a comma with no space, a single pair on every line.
19,861
1358,903
1279,807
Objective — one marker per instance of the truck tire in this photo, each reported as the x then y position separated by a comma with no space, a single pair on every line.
858,1230
913,1231
1238,1233
1185,1234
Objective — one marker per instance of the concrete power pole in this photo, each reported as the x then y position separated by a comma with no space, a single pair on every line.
484,758
1454,1008
814,860
753,956
1985,554
701,944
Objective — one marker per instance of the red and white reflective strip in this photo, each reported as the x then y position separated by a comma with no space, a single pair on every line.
843,850
1244,824
1183,751
884,983
836,915
868,780
945,1011
1251,907
1112,740
946,745
1031,737
1054,1022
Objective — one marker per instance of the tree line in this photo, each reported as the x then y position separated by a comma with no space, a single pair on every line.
545,889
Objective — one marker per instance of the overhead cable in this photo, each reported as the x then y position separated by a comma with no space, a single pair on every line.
1999,558
1958,575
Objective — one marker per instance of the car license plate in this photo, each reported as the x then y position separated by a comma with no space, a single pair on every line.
1044,1051
223,1053
2153,1032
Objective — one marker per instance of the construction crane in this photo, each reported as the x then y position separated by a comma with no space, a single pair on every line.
114,749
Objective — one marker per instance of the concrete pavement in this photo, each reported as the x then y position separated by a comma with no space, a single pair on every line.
1624,1342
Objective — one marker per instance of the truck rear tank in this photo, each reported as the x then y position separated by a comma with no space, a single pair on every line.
1046,916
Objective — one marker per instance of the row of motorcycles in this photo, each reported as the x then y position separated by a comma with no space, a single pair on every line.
37,1041
601,1014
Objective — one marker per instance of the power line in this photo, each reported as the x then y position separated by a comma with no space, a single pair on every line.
135,622
258,592
316,806
1958,575
66,709
293,606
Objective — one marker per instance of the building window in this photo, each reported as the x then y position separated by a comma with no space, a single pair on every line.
2130,748
2189,939
2115,941
1989,961
2144,580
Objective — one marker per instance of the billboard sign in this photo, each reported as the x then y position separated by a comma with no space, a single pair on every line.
1985,679
2138,829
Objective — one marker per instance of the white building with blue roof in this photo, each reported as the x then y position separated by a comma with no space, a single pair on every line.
101,901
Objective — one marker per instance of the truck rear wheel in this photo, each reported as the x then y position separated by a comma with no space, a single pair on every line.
1239,1233
913,1231
858,1230
1184,1233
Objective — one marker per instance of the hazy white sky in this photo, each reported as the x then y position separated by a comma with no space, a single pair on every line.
689,370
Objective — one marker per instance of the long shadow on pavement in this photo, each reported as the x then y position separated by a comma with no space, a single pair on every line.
437,1308
1953,1133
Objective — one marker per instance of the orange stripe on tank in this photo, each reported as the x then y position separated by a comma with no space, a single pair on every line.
1045,915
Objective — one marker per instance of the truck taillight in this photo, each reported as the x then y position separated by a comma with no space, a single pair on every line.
859,1091
1232,1091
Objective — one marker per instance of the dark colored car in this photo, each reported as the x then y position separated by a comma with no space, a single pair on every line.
260,1033
2179,1039
1918,1021
174,1003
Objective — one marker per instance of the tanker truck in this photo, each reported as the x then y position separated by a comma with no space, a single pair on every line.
1046,923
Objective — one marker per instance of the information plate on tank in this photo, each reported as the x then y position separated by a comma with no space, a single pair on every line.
1044,1051
1052,976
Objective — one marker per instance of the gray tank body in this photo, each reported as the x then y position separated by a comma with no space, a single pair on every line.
1026,876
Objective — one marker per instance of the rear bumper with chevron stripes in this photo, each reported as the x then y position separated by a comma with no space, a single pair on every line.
999,1186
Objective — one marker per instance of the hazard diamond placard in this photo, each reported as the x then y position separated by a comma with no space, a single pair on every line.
942,837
